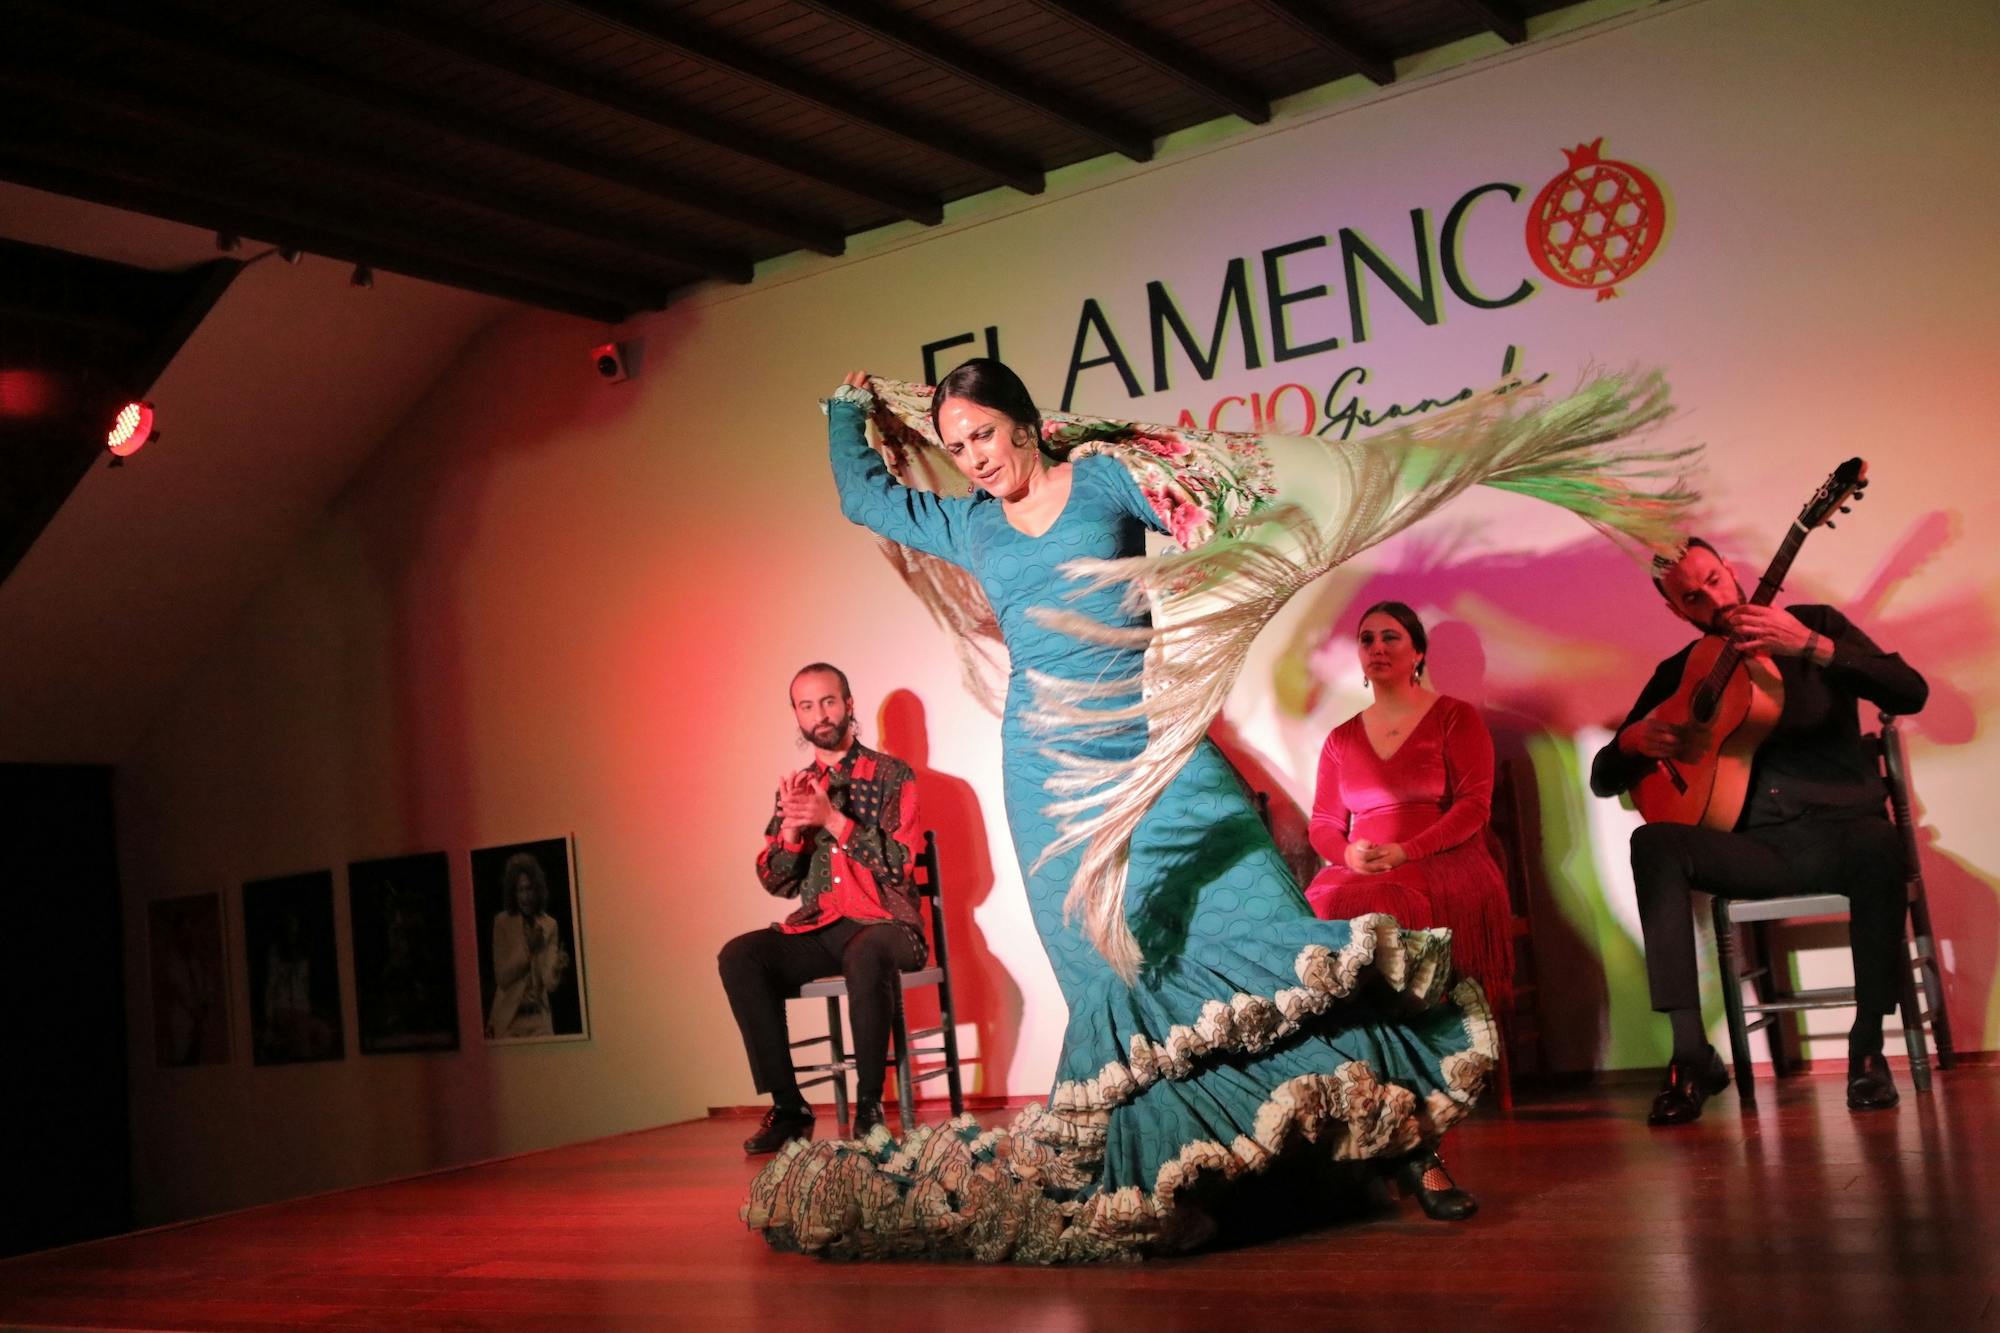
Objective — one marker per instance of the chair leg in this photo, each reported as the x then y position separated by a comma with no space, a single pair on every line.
906,1100
948,1017
1781,1034
1933,980
1732,1002
839,1046
1913,1022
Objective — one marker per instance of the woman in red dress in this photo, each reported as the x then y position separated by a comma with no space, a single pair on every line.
1400,814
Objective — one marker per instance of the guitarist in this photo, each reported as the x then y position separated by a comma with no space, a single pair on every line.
1814,821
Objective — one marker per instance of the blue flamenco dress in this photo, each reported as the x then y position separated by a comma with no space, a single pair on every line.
1253,1030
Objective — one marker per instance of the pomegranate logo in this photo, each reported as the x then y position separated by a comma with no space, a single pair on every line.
1597,223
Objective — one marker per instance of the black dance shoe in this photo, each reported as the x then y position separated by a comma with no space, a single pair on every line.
1872,1089
867,1115
1423,1175
781,1125
1679,1102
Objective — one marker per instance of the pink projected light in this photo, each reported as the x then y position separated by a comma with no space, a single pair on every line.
133,430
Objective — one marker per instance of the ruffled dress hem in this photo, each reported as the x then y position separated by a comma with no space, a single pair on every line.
1032,1192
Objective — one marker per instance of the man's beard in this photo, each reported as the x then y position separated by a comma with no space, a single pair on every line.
837,738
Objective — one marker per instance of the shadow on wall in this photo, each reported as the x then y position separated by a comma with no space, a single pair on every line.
1941,638
986,997
1290,823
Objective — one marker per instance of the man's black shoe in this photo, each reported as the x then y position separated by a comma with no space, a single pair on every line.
780,1127
1873,1089
867,1115
1679,1102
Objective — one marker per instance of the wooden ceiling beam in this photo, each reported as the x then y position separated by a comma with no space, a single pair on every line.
374,171
183,38
1166,57
1316,27
526,281
1501,16
989,73
669,34
531,67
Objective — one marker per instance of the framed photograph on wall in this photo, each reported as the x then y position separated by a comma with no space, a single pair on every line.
525,915
405,982
294,970
190,985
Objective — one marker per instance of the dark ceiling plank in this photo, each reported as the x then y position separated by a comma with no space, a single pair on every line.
88,321
993,74
667,33
473,271
1169,58
529,66
1321,30
1502,16
181,38
375,170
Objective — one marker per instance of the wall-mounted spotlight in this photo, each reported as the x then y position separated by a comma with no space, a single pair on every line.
135,427
616,361
363,276
291,254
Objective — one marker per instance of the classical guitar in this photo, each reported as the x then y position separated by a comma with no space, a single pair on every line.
1737,695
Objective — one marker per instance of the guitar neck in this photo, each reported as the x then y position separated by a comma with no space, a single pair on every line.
1781,565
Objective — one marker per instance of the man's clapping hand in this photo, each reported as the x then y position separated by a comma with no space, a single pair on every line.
802,805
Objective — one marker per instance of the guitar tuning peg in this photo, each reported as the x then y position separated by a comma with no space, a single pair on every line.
1847,509
1829,524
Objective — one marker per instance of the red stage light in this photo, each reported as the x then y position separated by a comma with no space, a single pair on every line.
133,430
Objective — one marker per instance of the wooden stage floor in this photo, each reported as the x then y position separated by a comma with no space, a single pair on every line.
1797,1216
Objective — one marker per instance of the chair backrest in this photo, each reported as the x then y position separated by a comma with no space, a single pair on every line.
1896,777
929,885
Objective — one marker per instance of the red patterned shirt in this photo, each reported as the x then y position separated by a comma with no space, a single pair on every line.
867,876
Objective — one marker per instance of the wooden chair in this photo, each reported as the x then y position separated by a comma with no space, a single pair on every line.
1922,999
924,876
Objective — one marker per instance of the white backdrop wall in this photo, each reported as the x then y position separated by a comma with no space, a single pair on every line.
550,606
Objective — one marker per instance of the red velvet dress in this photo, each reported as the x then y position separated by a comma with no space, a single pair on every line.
1433,795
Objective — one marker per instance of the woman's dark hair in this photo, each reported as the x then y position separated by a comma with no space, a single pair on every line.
991,385
518,865
1401,613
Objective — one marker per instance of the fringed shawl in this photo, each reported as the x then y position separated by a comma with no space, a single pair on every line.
1254,519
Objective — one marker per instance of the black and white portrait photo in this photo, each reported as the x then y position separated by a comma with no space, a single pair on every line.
405,983
294,973
190,987
530,951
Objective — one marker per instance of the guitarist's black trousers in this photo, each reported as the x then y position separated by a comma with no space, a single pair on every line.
1860,857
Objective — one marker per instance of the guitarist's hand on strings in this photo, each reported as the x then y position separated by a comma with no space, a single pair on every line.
1767,630
1649,736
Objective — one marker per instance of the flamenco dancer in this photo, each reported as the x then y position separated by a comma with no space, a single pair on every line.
1216,1025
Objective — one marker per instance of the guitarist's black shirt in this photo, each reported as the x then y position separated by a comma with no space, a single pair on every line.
1813,765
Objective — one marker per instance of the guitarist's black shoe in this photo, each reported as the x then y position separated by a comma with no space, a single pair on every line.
1871,1088
1688,1086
